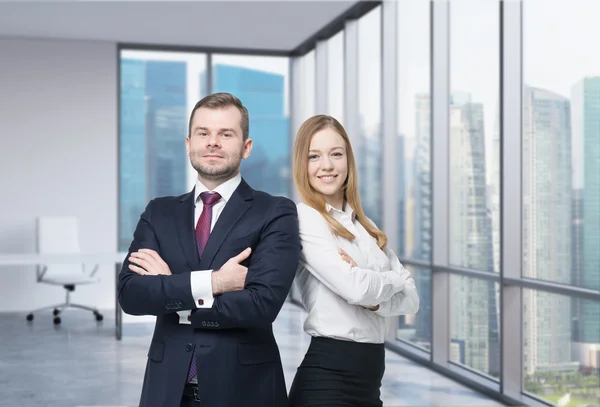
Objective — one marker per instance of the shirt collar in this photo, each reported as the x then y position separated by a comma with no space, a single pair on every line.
347,210
226,189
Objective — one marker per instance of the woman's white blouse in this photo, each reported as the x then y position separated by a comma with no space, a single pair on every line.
334,292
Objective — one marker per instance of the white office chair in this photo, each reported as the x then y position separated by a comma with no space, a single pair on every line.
60,235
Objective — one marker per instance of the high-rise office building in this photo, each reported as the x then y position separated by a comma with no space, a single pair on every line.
370,171
132,185
404,320
401,194
576,260
586,177
263,93
474,323
152,143
166,128
421,239
547,190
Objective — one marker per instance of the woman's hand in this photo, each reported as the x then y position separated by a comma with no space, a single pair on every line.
346,257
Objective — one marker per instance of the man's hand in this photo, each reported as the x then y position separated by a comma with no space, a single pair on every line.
346,257
232,275
148,263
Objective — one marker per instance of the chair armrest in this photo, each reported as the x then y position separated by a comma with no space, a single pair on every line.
94,270
40,273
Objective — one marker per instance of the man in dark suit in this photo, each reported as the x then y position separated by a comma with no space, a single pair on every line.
215,266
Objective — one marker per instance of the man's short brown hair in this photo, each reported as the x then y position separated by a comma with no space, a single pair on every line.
221,100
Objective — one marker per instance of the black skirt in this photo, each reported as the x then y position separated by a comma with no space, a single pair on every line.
338,373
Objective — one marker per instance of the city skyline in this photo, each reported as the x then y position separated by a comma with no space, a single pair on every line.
410,142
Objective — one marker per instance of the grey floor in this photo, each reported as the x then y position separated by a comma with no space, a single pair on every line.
81,364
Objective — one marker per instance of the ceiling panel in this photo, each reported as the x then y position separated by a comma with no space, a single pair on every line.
266,25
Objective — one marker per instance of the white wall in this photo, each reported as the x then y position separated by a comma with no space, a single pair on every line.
58,155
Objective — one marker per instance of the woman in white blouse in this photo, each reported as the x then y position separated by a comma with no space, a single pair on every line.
351,283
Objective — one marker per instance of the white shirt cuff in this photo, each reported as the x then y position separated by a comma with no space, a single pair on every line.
202,291
184,317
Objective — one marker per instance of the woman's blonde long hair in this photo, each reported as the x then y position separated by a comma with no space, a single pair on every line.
315,199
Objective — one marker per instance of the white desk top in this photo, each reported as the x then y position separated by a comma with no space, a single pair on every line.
32,259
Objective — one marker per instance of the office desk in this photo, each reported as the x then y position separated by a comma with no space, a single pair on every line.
35,259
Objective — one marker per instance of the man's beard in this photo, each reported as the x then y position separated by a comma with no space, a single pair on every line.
217,173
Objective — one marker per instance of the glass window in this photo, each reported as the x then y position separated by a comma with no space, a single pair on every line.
561,197
368,152
414,151
157,92
335,76
474,155
262,84
561,143
416,328
557,366
475,324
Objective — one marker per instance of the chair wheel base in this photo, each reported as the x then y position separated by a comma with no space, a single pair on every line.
56,320
30,317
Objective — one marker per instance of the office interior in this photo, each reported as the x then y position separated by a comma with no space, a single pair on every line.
476,127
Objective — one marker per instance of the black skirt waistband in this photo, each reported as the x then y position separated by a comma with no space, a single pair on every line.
354,357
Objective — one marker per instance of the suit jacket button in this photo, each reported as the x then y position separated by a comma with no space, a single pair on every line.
188,347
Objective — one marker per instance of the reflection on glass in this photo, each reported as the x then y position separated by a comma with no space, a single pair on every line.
474,324
157,91
261,83
556,368
417,328
368,150
335,76
561,196
413,152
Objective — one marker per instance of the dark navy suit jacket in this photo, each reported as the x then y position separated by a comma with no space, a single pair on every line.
238,360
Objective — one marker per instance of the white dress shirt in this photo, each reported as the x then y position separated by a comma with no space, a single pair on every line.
334,292
201,280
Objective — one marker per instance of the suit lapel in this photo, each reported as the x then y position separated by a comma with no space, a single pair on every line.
184,219
240,202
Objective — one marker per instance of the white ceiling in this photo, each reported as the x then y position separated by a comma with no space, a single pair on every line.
266,25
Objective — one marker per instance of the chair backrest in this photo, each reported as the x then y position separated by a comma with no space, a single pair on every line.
58,235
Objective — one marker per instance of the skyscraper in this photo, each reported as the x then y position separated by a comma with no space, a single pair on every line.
166,128
586,177
421,238
474,319
547,189
269,166
577,262
152,141
368,154
132,140
401,191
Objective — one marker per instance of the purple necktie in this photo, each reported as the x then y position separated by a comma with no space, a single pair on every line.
209,199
